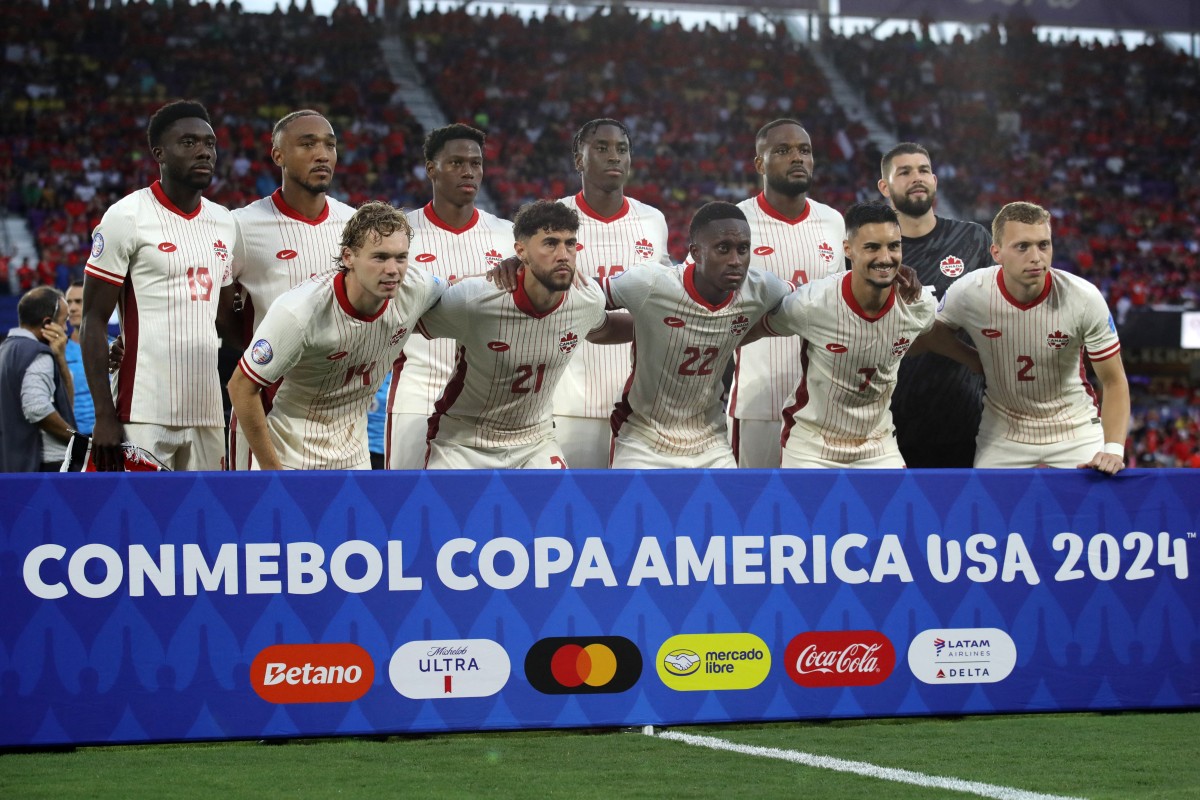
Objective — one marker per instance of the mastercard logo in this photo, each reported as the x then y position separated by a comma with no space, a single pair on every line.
583,665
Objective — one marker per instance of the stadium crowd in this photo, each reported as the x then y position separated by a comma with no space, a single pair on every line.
1114,161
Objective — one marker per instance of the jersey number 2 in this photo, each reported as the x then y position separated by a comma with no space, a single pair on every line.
1025,372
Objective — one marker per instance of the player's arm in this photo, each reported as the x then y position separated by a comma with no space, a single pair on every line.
1114,416
943,340
908,284
99,300
252,420
229,327
37,389
617,328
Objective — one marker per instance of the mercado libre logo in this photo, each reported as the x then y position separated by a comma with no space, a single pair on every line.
694,662
583,665
312,673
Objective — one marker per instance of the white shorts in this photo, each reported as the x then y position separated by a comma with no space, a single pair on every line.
755,442
182,448
545,454
405,441
585,441
994,451
806,449
631,452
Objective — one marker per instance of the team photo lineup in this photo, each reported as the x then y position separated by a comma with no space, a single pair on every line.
781,332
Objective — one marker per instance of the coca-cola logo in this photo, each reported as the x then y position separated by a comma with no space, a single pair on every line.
840,658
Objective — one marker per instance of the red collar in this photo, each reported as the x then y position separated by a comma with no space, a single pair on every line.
1023,306
521,298
848,296
771,211
162,198
432,216
594,214
288,211
689,284
339,291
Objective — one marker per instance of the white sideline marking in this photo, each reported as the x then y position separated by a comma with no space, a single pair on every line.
864,768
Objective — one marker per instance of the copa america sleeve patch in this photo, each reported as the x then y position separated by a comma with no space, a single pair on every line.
261,352
97,245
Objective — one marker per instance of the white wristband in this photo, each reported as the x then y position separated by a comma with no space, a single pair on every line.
1115,448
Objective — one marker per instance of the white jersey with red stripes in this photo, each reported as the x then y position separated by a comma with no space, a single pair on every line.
509,360
1033,353
448,253
171,267
278,248
849,359
798,250
606,247
334,359
672,399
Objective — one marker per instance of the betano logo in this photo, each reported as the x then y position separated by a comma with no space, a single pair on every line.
962,655
312,673
434,668
576,665
695,662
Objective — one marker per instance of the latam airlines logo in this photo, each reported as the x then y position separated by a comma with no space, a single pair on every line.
575,665
826,252
425,670
493,258
644,249
739,325
962,655
312,673
952,266
699,662
1058,340
840,658
568,342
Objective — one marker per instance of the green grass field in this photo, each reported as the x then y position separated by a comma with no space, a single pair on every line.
1023,757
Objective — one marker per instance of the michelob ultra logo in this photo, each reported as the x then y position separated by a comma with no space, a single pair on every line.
434,668
696,662
312,673
583,665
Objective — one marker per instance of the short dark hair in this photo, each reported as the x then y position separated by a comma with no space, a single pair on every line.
590,127
78,282
544,215
761,136
287,120
711,212
861,214
375,217
37,304
171,113
1022,212
438,138
902,149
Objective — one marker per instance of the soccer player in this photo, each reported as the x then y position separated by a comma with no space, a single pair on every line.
164,253
451,239
289,236
937,402
512,349
688,321
615,233
799,240
333,338
1033,325
853,331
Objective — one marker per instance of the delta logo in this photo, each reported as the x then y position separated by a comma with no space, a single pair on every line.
991,333
576,665
286,255
644,249
220,250
397,336
674,322
493,258
446,668
764,250
826,252
568,343
312,673
739,325
1058,340
952,266
834,347
900,347
425,258
819,659
962,655
698,662
167,247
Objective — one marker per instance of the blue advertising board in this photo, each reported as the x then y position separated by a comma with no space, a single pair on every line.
208,606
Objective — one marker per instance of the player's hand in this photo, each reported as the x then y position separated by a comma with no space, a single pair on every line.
55,335
107,453
909,284
505,275
1106,463
116,354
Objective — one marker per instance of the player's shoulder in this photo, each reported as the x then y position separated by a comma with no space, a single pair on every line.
644,209
979,280
303,299
492,222
1074,284
261,207
339,210
823,211
749,205
476,289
